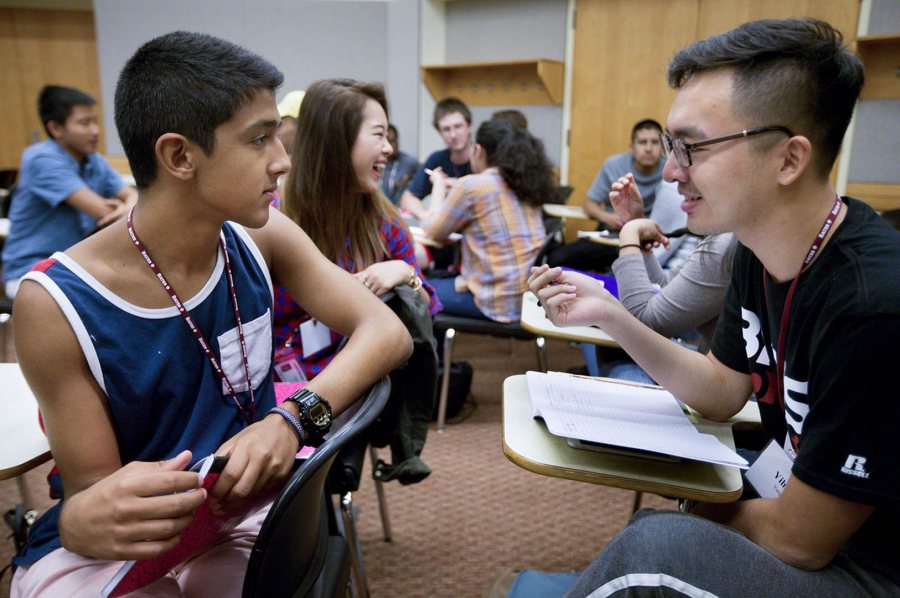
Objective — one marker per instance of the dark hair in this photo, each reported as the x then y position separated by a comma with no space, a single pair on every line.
56,103
449,106
393,129
520,158
647,123
794,73
185,83
321,193
513,117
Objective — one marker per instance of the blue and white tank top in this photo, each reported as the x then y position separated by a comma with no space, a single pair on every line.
163,393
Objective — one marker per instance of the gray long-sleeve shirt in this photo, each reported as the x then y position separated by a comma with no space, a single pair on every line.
684,300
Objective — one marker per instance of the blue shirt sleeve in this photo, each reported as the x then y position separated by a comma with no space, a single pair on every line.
53,178
111,182
421,183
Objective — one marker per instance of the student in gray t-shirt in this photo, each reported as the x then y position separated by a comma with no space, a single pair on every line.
645,161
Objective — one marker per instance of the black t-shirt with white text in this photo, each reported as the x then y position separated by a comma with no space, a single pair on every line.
841,411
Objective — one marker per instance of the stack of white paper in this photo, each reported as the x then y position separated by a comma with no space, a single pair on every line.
622,414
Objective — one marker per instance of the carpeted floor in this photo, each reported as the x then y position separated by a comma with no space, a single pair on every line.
478,518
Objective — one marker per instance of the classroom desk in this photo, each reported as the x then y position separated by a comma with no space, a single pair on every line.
600,237
534,320
528,444
555,210
23,445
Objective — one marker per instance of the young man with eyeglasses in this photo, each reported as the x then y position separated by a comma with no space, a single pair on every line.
809,326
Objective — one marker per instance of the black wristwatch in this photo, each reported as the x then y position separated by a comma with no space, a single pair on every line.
315,414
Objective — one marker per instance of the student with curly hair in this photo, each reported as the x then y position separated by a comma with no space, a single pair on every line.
498,211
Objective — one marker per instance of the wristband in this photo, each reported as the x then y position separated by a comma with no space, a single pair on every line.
621,247
293,422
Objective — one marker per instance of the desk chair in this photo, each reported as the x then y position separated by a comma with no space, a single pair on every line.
299,551
343,480
451,324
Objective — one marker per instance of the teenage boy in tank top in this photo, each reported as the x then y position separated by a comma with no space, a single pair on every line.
132,389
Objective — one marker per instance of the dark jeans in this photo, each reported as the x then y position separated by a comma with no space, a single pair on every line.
584,254
455,304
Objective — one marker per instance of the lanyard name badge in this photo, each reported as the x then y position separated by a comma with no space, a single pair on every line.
786,309
249,415
770,472
772,469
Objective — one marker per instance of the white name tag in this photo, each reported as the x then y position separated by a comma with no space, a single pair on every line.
289,371
771,471
315,336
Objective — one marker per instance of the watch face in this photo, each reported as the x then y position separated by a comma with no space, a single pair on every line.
318,415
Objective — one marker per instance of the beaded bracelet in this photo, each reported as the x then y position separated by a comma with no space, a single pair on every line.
293,422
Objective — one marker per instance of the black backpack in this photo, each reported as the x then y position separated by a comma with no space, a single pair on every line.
460,385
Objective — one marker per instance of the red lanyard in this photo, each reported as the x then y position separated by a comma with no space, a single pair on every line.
249,417
786,310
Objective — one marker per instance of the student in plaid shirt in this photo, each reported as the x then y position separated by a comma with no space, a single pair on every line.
498,210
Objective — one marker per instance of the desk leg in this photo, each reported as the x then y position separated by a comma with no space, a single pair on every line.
685,505
638,495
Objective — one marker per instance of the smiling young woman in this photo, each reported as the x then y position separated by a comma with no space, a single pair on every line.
333,192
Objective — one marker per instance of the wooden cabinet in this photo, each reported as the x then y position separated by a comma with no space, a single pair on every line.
881,55
512,83
37,48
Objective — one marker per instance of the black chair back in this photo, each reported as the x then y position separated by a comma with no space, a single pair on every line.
552,240
298,552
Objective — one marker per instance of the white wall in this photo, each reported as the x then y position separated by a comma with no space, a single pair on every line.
497,30
306,39
372,40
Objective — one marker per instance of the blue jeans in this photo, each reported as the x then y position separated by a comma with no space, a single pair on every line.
456,304
625,370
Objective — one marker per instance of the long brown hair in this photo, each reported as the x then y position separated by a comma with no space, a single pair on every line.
322,192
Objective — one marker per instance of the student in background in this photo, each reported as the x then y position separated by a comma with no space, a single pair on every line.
453,120
498,211
679,300
343,125
398,170
809,326
289,111
129,395
66,189
645,162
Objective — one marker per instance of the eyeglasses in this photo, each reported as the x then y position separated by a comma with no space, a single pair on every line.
683,150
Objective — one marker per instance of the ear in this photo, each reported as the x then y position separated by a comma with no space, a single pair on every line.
55,129
177,155
795,156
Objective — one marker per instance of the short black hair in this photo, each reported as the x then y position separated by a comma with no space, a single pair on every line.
56,103
513,117
647,123
449,106
794,73
185,83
